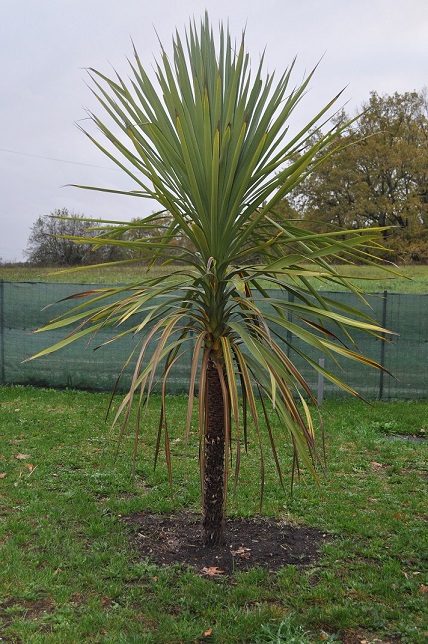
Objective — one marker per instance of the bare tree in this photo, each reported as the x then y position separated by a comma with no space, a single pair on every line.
47,245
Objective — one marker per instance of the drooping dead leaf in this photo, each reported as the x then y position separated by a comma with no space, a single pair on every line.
208,632
22,457
212,571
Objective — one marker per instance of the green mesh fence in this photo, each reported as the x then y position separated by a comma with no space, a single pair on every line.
82,365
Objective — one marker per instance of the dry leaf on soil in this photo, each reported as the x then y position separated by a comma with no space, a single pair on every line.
242,552
208,632
22,457
212,571
3,475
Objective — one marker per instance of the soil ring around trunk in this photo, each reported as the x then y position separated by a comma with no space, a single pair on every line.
172,539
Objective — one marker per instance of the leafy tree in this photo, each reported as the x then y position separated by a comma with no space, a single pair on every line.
378,178
212,147
55,240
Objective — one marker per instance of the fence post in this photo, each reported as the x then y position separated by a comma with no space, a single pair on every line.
2,367
382,345
191,348
320,398
289,316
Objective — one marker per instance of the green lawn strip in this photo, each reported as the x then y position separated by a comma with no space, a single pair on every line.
414,280
69,572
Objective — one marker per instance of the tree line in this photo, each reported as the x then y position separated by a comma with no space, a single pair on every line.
376,175
58,239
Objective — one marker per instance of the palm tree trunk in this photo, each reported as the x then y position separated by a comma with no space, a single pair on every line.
213,521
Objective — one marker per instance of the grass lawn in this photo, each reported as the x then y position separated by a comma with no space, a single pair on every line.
69,571
414,278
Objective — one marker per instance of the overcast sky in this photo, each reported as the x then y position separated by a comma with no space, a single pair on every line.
45,46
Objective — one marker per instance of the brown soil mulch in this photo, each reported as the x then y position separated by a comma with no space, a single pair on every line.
357,636
176,539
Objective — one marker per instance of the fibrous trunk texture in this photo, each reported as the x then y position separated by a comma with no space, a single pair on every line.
213,522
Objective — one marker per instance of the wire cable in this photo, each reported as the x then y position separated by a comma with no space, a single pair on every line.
38,156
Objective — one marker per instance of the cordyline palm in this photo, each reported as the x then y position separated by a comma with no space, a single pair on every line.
211,145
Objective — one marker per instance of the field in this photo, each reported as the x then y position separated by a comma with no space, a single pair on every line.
413,279
72,570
